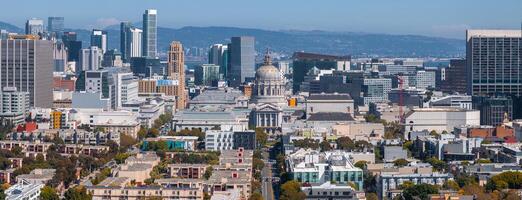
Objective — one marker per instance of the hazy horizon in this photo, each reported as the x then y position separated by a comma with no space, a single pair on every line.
445,18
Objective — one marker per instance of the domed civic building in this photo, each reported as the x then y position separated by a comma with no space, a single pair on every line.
269,85
268,95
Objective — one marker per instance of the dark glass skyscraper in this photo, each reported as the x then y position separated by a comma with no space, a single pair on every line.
55,26
124,37
99,39
150,33
242,60
73,46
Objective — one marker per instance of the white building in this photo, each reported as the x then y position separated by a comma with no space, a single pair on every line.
311,166
24,191
328,190
317,103
392,181
134,42
90,59
440,119
425,79
454,101
126,88
34,26
14,105
219,140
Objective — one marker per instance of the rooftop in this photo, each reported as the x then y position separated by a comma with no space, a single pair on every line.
335,96
330,116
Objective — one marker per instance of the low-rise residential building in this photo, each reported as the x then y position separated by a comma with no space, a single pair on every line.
29,148
80,149
331,191
79,136
391,181
37,176
104,191
24,191
310,166
192,171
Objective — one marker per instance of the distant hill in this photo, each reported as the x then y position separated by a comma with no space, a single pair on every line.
287,42
11,28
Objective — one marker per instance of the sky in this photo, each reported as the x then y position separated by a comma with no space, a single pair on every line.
441,18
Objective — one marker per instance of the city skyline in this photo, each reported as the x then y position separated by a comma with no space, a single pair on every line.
442,18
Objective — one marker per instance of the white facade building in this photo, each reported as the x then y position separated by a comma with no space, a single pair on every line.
134,40
440,119
90,59
219,140
24,191
425,79
126,88
14,104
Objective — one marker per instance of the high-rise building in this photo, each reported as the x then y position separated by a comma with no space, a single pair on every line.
455,80
73,46
59,56
126,88
14,105
34,26
55,26
242,60
99,39
29,70
494,62
176,71
207,74
90,59
218,55
133,44
124,30
150,33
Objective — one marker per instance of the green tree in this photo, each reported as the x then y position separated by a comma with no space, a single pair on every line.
372,196
437,164
291,190
208,172
325,146
483,161
306,143
121,157
345,143
361,164
256,196
505,180
261,137
400,162
77,193
420,191
451,185
142,133
49,193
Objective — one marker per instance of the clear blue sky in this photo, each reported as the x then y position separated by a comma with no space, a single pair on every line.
445,18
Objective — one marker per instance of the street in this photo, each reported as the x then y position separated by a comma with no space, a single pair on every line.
266,173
